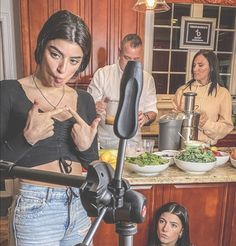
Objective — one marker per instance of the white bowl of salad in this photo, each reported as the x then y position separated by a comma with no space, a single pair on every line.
147,164
195,160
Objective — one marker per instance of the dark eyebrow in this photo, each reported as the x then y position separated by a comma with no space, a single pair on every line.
55,48
173,222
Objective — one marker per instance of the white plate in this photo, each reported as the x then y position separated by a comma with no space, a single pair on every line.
147,170
168,154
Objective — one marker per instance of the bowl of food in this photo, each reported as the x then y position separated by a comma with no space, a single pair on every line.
168,154
221,157
195,160
147,164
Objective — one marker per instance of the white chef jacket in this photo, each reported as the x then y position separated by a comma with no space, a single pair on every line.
106,83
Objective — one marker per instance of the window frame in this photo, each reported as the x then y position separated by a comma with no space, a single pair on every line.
196,11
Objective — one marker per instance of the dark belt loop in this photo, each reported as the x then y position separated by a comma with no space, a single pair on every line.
47,195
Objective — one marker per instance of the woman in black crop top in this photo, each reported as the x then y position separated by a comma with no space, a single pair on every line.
50,126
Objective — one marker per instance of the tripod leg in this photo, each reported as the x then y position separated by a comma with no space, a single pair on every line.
126,232
88,238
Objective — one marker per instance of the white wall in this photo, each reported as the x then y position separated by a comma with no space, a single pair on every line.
10,58
10,53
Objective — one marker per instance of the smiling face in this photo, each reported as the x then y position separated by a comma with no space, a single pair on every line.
129,53
61,59
201,69
169,229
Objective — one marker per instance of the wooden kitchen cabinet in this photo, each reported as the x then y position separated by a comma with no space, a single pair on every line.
212,212
142,235
229,235
206,204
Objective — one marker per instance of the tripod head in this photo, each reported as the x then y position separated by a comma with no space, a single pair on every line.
97,193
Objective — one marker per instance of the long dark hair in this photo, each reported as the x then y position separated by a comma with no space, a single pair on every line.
214,75
178,210
65,25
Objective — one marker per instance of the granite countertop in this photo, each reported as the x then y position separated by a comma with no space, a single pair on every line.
173,175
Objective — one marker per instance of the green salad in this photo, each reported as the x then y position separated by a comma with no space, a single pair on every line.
196,155
147,159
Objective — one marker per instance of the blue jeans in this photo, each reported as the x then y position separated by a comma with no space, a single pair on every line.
42,216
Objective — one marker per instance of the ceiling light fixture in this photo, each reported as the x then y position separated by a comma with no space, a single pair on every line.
157,6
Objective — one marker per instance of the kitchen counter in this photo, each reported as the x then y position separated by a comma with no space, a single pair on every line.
174,175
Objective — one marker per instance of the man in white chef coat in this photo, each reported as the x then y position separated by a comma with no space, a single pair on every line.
105,86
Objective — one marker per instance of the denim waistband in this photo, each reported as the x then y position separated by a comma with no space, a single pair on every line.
46,192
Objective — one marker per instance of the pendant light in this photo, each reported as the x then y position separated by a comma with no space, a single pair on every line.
157,6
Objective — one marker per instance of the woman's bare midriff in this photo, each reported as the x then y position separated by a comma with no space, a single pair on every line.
53,167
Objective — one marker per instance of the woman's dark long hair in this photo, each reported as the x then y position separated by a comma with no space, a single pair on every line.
214,75
178,210
67,26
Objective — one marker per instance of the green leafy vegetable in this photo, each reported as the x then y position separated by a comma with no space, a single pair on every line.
193,154
147,159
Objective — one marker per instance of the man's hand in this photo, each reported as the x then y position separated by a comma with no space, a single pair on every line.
142,119
83,134
146,118
101,106
39,125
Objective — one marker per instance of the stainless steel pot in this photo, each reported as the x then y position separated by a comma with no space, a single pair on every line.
169,138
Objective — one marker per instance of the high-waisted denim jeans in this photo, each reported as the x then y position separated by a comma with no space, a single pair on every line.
42,216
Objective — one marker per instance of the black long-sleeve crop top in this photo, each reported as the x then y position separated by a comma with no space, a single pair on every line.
14,109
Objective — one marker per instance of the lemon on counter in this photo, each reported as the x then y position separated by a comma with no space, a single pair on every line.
109,156
105,156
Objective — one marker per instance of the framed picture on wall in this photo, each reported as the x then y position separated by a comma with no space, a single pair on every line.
197,33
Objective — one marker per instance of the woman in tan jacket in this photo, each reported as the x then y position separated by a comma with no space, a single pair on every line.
213,101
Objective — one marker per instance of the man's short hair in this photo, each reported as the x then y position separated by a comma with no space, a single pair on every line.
134,40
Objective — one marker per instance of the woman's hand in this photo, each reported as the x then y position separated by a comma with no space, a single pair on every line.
83,134
203,119
39,125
